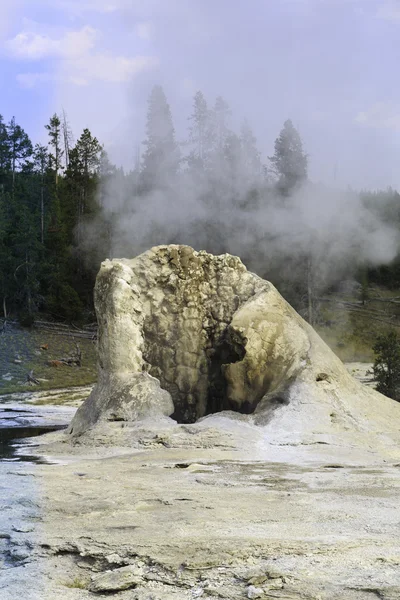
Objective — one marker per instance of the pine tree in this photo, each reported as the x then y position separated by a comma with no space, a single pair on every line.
41,165
88,151
251,155
233,172
5,220
85,162
386,369
161,158
106,168
67,138
4,251
200,133
55,134
78,204
24,246
106,172
253,173
20,147
221,116
222,152
289,160
5,160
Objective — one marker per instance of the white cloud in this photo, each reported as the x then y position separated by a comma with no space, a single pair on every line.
79,43
79,60
91,68
145,30
29,45
107,68
390,11
380,116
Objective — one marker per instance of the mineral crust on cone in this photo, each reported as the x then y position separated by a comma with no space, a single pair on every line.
188,334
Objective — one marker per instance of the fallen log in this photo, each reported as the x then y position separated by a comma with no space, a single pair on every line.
72,359
69,360
73,334
63,329
31,380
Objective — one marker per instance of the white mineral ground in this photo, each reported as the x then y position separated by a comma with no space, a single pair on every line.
299,500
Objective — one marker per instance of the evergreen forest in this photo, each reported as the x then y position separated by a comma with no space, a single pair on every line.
62,205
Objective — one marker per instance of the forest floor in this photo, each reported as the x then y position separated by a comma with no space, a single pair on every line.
350,328
23,350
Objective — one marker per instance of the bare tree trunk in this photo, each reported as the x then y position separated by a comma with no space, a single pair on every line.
42,214
31,379
67,135
79,216
4,327
310,291
81,203
13,177
28,286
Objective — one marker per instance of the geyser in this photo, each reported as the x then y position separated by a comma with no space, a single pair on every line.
167,315
188,334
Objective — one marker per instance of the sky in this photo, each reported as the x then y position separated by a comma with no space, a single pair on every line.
329,65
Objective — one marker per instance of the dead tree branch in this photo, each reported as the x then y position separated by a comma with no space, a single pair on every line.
31,380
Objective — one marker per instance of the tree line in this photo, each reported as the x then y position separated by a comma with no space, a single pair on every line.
52,194
45,192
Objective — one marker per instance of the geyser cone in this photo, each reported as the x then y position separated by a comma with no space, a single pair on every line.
186,334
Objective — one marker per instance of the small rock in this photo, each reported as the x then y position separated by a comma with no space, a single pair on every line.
116,580
255,576
274,584
114,559
254,592
22,529
274,573
257,580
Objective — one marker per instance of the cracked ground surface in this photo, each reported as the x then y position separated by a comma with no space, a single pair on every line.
185,517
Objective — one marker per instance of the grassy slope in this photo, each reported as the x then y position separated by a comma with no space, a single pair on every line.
26,344
351,329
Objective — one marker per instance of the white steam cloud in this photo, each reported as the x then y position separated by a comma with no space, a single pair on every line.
336,229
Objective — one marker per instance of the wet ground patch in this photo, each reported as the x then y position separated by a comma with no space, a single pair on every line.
11,441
